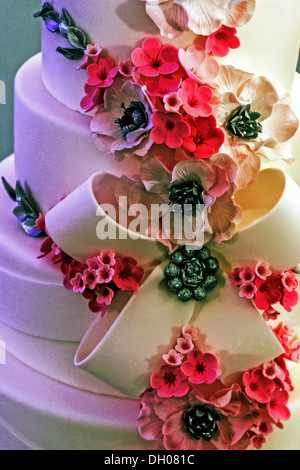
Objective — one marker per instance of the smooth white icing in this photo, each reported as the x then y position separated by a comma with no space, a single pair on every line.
268,41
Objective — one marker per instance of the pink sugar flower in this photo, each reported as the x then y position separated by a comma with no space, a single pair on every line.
262,270
108,258
172,102
192,331
271,370
257,386
199,66
93,97
93,263
104,295
247,274
78,284
248,290
92,54
289,281
105,274
257,441
200,368
102,74
153,59
277,408
173,358
169,128
184,345
90,278
234,277
169,382
220,42
195,99
270,314
163,86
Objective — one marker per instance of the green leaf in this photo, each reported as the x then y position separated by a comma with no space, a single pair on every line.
77,38
20,193
20,213
65,21
71,54
45,9
9,189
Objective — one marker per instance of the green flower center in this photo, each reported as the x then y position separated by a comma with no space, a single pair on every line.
186,193
244,124
201,422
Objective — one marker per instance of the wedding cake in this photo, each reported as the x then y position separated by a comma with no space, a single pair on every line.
118,330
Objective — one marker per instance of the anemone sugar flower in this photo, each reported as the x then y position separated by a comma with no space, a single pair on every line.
257,122
199,66
181,423
201,17
193,182
124,123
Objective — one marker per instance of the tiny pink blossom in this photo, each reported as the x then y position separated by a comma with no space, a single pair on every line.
257,441
289,281
270,314
247,290
192,331
90,278
93,51
235,278
78,284
262,270
247,274
173,358
105,274
104,295
126,68
271,370
172,102
108,258
184,345
93,263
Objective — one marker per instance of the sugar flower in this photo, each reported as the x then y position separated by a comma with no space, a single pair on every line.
172,102
154,59
205,138
169,382
257,386
173,358
104,295
127,274
204,419
78,283
169,128
195,99
162,86
125,121
200,368
220,42
185,344
199,65
102,74
202,17
257,122
277,408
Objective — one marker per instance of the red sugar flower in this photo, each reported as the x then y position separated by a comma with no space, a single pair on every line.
90,278
169,128
169,382
268,291
200,368
195,99
102,74
163,86
153,59
104,295
128,275
220,42
277,408
205,138
93,97
257,386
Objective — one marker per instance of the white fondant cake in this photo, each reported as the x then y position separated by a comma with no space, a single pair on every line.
84,373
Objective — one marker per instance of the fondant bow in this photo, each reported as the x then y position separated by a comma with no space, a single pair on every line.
125,347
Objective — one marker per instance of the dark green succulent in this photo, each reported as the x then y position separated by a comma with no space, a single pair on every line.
244,124
26,211
191,274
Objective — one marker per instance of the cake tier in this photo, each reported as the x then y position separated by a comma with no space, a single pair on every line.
60,153
119,26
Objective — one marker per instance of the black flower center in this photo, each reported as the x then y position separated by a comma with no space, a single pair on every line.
243,123
201,422
186,193
135,117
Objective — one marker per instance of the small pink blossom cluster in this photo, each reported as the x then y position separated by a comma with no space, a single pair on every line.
99,279
245,411
266,288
